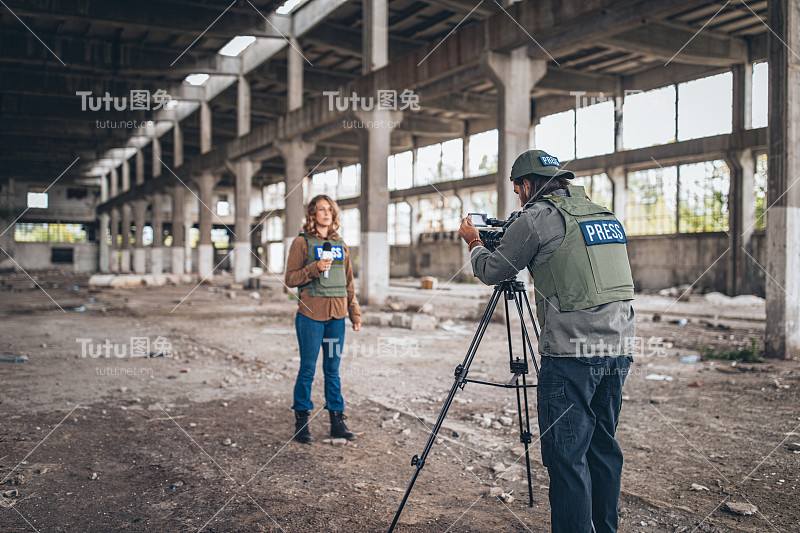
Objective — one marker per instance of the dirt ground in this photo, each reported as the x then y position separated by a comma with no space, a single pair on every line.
198,440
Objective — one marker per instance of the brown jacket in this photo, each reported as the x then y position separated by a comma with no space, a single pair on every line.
319,308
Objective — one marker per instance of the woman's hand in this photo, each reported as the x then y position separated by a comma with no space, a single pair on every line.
324,264
357,325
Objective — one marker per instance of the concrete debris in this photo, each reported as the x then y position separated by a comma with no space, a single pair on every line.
506,420
743,509
93,476
498,468
16,479
413,321
338,442
698,488
226,442
495,492
406,431
658,377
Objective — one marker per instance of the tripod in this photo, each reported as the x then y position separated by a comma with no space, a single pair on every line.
508,290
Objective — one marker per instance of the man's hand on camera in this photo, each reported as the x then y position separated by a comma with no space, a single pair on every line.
468,231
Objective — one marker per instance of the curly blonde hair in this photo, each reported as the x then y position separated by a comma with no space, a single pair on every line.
310,224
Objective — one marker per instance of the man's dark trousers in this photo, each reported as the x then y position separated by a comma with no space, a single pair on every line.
579,401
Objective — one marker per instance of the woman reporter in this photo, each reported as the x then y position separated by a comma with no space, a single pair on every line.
326,295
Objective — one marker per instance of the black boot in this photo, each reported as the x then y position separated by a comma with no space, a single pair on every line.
301,433
338,428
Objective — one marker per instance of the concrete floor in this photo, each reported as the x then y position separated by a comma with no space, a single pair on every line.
105,440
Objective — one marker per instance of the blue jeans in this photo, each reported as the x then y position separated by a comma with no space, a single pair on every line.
311,335
578,402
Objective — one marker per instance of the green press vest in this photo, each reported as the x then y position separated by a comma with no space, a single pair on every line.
590,267
335,286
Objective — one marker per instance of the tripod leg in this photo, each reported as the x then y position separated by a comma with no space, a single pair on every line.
460,375
535,328
525,431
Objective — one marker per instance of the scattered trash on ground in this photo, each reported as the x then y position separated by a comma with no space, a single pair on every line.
690,359
80,309
11,358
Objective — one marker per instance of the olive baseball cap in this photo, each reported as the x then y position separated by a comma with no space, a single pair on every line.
538,162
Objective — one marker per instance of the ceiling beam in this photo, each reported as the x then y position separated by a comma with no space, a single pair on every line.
668,41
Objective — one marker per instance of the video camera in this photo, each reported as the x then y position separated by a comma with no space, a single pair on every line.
491,237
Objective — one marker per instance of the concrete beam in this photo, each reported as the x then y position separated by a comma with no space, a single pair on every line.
678,153
669,41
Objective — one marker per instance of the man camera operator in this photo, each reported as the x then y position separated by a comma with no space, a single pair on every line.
575,250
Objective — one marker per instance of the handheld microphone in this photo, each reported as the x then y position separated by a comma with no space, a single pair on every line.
326,254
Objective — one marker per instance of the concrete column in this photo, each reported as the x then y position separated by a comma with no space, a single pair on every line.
157,222
783,200
294,153
375,34
178,193
619,183
242,106
242,254
514,75
177,144
102,228
125,234
742,96
205,249
413,231
126,176
294,93
114,263
139,158
742,219
139,217
156,143
7,224
375,147
465,151
113,183
205,127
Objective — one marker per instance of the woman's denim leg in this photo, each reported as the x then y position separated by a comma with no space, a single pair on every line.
332,356
309,338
